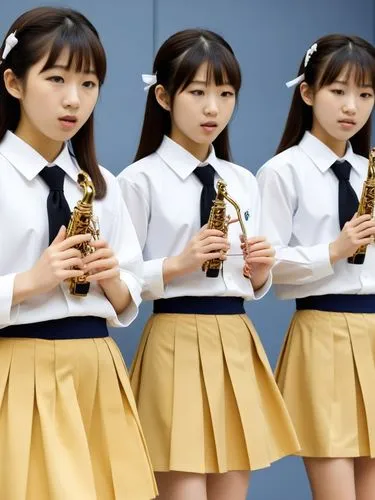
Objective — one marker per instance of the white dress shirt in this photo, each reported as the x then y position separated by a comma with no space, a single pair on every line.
163,197
300,217
24,236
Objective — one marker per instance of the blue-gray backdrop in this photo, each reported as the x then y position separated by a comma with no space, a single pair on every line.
269,38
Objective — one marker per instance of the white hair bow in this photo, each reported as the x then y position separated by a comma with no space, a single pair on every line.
300,78
10,42
150,80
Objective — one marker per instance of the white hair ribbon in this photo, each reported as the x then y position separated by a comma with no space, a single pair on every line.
300,78
10,42
150,80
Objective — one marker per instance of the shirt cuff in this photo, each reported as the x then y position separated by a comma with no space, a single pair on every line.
130,312
8,314
322,266
153,287
261,292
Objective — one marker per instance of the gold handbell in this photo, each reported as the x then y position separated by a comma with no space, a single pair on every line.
219,220
366,205
82,221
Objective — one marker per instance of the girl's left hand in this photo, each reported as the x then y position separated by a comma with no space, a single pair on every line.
101,265
259,258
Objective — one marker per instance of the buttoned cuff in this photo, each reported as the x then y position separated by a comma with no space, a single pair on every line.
8,314
153,287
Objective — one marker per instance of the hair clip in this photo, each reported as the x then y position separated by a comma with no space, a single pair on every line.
150,80
10,42
300,78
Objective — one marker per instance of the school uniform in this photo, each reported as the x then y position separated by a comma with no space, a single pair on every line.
68,421
205,392
326,369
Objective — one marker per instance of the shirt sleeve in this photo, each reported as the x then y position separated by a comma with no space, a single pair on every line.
8,314
138,205
124,243
295,264
261,292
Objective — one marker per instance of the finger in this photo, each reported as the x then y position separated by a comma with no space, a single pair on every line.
356,220
73,241
365,234
231,221
214,247
210,232
60,236
73,262
99,244
69,254
101,264
104,275
263,245
103,253
214,239
251,258
365,225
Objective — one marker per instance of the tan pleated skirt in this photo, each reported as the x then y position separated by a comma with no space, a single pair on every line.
206,395
68,424
326,373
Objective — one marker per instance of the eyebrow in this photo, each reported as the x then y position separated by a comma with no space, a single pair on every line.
203,82
61,66
345,82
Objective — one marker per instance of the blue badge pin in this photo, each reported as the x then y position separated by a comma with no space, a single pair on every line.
247,215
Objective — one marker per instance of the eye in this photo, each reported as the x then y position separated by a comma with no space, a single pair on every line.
337,91
227,93
89,84
367,95
56,79
197,92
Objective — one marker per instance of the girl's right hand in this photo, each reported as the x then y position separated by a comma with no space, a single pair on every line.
54,266
207,244
355,233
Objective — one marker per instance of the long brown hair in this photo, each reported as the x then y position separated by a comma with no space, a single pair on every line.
48,30
175,66
335,53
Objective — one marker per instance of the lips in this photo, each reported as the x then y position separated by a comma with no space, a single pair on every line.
209,124
68,118
347,121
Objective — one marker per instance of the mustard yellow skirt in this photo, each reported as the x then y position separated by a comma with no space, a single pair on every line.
206,395
326,373
68,424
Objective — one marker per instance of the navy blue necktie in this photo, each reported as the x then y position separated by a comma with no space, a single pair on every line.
57,207
348,200
206,175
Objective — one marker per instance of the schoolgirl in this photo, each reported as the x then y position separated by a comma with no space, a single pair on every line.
68,422
208,403
310,193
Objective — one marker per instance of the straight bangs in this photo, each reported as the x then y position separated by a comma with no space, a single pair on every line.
347,61
222,66
86,52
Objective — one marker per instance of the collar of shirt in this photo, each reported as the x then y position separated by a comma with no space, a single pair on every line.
182,162
29,162
322,156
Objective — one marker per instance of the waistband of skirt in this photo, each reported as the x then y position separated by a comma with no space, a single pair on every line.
75,327
200,305
338,303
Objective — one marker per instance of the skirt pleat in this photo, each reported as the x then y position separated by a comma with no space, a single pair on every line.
326,373
67,429
202,384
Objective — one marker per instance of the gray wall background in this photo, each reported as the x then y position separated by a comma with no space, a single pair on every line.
269,38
